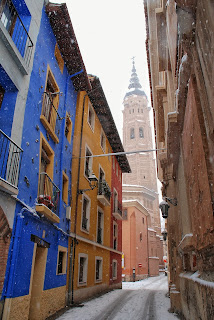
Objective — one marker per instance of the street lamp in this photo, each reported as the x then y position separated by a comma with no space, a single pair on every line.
164,206
92,183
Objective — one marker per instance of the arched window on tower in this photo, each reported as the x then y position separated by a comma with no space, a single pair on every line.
132,133
141,135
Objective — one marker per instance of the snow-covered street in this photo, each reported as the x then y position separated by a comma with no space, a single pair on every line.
143,300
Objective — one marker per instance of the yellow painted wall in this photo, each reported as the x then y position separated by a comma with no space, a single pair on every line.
92,139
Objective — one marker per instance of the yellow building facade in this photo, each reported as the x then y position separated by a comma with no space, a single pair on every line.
90,216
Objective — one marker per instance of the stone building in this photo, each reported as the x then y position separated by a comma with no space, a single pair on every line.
141,184
180,45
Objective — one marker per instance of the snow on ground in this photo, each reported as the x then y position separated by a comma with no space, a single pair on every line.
145,299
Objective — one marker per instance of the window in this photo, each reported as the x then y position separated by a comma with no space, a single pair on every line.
98,269
50,105
141,236
115,201
143,220
86,203
141,135
68,127
2,92
65,187
103,141
115,235
83,269
59,58
8,15
91,116
88,162
100,223
61,260
114,269
132,136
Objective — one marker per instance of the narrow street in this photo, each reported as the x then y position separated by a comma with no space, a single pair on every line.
145,300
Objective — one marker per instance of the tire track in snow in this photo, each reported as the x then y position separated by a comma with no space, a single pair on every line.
115,307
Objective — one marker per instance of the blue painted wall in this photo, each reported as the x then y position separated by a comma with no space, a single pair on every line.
22,247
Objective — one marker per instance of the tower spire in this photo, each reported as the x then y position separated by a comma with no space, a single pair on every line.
134,81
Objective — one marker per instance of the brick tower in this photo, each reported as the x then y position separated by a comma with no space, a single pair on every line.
141,184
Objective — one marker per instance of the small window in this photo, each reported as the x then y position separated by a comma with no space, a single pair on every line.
115,235
141,134
68,127
83,269
102,141
143,220
65,187
98,269
132,136
88,162
61,260
100,224
115,201
114,269
85,213
59,58
2,92
138,110
141,236
91,116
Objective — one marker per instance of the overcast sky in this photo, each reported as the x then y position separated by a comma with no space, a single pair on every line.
109,34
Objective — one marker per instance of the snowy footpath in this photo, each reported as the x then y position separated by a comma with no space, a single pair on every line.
143,300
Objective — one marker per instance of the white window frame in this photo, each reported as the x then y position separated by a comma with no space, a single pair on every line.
114,263
85,270
102,134
100,269
115,207
90,161
64,261
115,236
92,124
102,223
87,213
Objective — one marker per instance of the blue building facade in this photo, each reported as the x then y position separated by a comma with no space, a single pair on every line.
37,261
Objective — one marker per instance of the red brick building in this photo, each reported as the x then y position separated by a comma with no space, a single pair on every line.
180,43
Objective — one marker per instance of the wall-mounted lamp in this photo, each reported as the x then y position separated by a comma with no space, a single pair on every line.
164,234
92,183
165,207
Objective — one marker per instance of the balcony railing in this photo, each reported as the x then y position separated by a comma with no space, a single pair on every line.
10,159
104,193
51,115
49,193
15,27
99,235
117,211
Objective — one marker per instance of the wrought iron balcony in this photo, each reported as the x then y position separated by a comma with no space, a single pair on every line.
84,223
117,211
10,162
16,29
99,235
104,193
50,117
48,198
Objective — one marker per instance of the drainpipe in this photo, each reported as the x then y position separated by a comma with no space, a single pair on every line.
74,242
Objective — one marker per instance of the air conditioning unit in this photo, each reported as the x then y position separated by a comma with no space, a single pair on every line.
68,213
